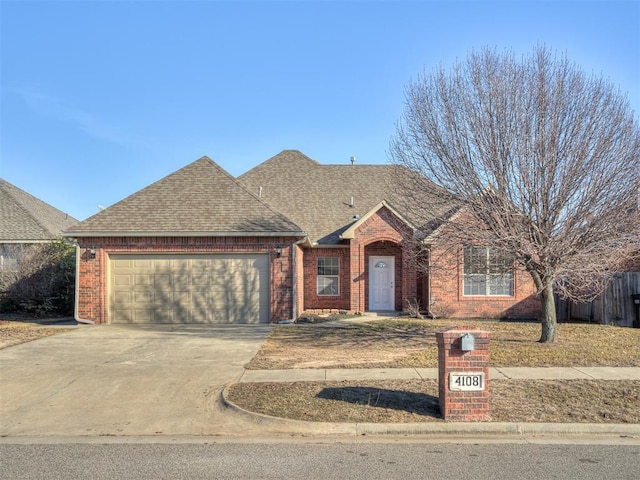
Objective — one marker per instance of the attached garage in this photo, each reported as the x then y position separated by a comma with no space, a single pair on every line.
189,288
194,247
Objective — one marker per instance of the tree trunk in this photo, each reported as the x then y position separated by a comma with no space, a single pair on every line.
549,321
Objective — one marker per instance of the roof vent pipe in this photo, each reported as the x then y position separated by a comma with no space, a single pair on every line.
351,205
353,160
259,192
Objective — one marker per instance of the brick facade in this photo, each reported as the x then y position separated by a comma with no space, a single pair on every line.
313,301
381,234
93,272
448,299
298,253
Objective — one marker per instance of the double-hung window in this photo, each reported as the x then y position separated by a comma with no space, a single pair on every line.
328,283
487,271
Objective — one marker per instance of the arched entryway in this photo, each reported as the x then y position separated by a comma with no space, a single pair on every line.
383,274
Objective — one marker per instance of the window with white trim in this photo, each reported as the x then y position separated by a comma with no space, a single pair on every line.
328,282
487,271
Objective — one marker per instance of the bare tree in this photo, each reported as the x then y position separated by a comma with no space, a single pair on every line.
544,159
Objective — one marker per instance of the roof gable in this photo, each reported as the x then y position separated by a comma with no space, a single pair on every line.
282,165
199,199
350,232
25,218
325,200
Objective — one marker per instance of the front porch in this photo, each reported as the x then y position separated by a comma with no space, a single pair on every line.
370,271
382,277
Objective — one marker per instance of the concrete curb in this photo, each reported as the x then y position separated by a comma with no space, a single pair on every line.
287,425
452,428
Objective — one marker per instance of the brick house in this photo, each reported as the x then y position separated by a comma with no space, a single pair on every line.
290,235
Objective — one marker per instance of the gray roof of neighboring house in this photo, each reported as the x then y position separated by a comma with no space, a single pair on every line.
24,218
199,199
319,197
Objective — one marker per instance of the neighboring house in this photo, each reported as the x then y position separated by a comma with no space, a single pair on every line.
290,235
25,221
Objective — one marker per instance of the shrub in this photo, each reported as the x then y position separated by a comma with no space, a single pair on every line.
42,282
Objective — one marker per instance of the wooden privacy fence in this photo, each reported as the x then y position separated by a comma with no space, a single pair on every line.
613,307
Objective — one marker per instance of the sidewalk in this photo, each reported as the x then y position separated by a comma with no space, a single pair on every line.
495,373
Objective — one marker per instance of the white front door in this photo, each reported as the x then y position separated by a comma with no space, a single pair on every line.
381,283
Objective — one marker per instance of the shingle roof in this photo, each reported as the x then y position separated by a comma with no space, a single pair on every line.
319,197
199,199
25,218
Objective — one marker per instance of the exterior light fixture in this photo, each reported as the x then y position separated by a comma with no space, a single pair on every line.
278,251
92,253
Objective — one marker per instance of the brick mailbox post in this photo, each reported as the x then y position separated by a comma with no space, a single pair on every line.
463,374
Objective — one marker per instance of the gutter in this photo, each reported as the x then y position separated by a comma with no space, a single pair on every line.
100,234
76,315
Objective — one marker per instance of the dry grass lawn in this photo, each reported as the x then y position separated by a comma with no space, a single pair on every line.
411,343
407,401
16,332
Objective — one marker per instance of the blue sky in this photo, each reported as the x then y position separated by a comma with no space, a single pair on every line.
101,98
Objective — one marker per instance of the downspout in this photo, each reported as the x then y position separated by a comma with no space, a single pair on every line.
77,292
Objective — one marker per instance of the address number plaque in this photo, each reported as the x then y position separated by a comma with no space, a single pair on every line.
466,381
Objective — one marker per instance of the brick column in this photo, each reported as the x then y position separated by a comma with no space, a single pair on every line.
356,264
463,376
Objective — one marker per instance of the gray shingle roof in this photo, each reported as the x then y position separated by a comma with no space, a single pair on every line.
318,197
25,218
199,199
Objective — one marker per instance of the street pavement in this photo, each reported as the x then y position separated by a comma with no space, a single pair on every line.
360,458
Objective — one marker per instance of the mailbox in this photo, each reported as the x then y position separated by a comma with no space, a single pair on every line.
467,342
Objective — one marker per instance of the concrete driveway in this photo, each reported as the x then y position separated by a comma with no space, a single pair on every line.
120,380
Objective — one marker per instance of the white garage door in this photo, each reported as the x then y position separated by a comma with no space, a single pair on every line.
194,288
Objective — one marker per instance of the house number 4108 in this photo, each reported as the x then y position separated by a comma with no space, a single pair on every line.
466,381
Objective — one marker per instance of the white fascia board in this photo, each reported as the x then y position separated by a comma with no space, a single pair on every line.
329,245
